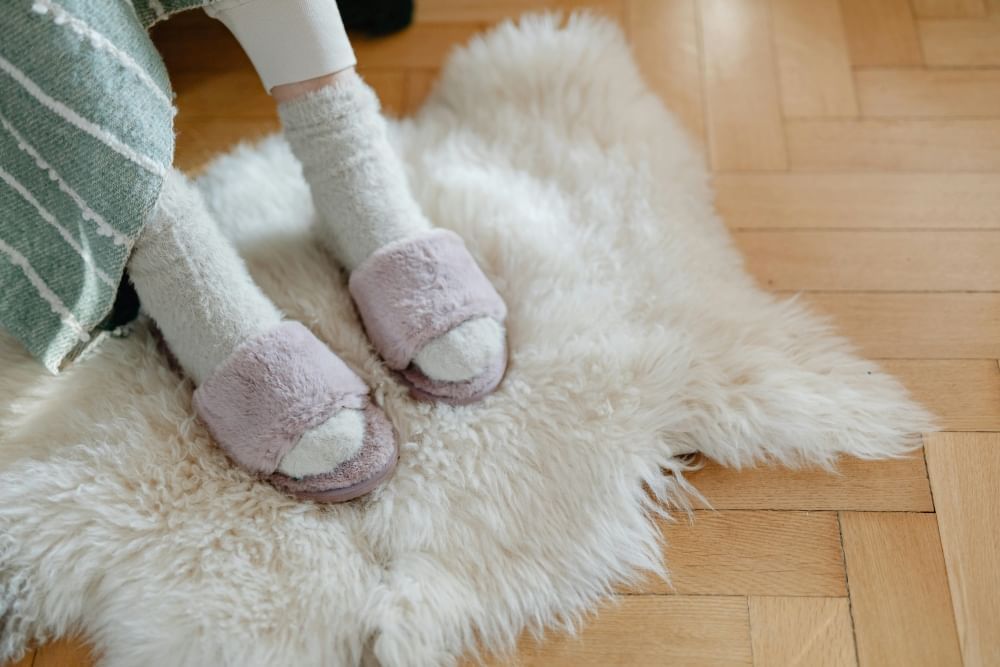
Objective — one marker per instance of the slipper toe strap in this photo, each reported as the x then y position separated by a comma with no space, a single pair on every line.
271,390
412,291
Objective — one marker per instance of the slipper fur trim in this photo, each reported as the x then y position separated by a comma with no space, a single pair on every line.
456,393
354,477
412,291
271,390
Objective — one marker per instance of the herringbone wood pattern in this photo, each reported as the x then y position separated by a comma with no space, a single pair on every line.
856,145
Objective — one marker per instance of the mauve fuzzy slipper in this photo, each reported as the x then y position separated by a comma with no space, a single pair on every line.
271,390
412,291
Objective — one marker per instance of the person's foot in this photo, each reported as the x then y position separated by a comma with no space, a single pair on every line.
364,205
274,397
284,406
323,448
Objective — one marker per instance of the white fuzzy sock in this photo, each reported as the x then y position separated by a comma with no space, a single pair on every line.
364,202
193,284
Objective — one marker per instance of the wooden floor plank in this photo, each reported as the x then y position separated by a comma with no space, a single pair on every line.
741,89
894,145
490,11
873,486
961,42
752,553
26,661
964,394
201,139
64,653
899,590
916,326
423,46
872,260
417,86
390,86
914,93
194,42
881,34
859,201
230,93
664,34
802,632
964,469
646,630
949,8
813,62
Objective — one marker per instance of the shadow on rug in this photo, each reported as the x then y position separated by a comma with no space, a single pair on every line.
635,333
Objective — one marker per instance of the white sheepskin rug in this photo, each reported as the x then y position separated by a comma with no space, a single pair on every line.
635,333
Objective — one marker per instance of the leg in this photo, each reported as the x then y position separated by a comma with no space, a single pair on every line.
197,289
333,123
360,190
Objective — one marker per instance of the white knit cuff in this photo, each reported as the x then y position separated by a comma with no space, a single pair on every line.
288,40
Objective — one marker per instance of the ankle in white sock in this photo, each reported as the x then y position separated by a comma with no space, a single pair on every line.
357,181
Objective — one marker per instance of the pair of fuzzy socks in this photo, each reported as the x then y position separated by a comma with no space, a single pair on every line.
197,289
364,203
